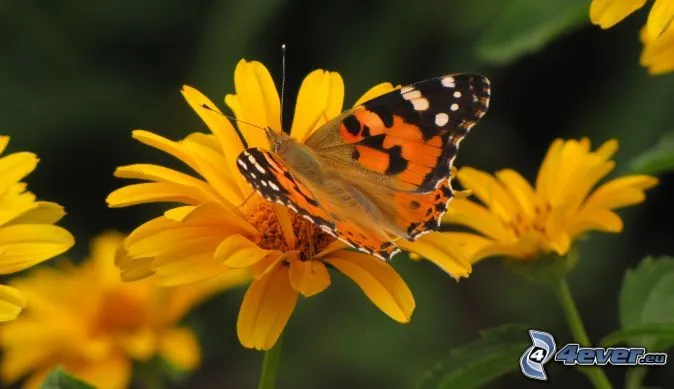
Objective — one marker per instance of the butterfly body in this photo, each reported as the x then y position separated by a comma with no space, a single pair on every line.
378,172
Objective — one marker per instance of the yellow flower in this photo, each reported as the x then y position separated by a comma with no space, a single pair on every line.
93,324
226,226
518,221
657,35
27,233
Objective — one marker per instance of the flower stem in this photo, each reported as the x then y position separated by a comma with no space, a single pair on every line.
594,374
270,363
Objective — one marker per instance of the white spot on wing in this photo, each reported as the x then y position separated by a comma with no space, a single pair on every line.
259,168
273,186
420,104
457,94
454,107
251,159
242,164
441,119
406,89
448,82
411,95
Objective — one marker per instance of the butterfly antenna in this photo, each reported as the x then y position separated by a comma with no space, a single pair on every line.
238,131
283,79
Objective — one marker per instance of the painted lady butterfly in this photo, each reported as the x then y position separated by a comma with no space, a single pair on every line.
379,171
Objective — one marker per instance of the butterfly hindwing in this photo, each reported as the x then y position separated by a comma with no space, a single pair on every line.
272,179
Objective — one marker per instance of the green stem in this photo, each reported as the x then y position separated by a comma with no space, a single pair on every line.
272,357
634,377
594,374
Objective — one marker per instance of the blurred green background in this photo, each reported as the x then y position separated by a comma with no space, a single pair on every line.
76,77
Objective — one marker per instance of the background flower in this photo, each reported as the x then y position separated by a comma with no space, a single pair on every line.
27,233
657,35
94,325
515,220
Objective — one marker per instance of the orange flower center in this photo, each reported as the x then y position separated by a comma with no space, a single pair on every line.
522,224
119,312
309,238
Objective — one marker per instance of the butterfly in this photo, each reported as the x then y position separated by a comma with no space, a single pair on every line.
378,172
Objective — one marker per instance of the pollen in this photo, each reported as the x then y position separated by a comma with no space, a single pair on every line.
310,239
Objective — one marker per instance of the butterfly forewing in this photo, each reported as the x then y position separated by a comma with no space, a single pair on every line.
410,134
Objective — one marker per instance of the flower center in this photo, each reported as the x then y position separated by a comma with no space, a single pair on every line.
309,238
523,224
119,312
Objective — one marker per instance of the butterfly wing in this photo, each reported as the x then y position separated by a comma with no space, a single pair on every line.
408,138
398,148
324,205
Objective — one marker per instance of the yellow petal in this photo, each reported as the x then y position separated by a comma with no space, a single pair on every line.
25,245
606,13
198,188
44,212
256,102
181,347
152,192
320,98
208,162
546,176
173,270
4,141
236,251
658,55
375,91
14,167
608,149
659,18
477,217
437,248
379,281
596,219
228,139
283,217
12,303
621,192
489,191
309,277
182,299
265,310
271,261
113,372
520,190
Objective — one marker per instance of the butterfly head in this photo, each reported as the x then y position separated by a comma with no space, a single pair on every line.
275,139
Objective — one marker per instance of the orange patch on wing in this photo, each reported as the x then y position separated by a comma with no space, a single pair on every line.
420,212
372,121
373,159
414,174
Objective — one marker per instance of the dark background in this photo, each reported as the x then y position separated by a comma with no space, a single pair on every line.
76,77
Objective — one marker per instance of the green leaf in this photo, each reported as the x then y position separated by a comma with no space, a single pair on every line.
657,160
661,331
526,26
60,379
647,297
480,362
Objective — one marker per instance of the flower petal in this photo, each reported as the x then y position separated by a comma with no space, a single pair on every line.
490,191
181,347
16,166
379,281
477,217
519,189
256,102
375,91
44,212
437,248
308,277
596,219
266,309
25,245
606,13
621,192
12,303
320,98
659,18
236,251
658,55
